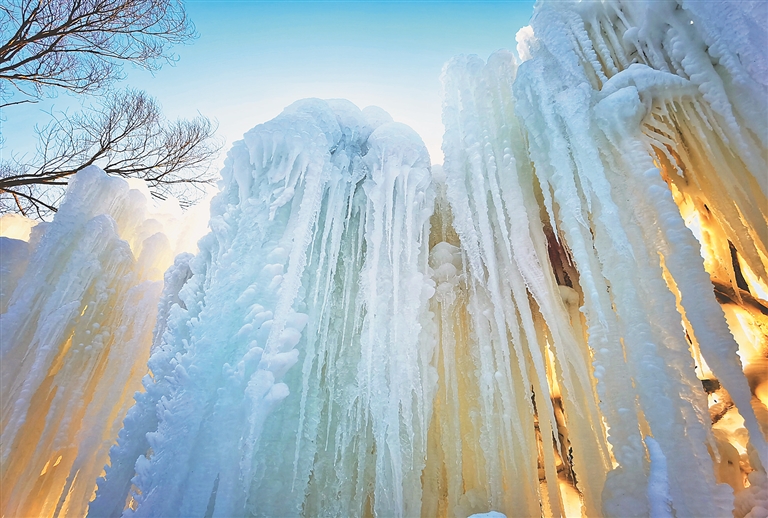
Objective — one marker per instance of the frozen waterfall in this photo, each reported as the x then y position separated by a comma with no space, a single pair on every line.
567,318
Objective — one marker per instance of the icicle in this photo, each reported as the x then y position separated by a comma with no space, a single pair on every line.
339,179
73,341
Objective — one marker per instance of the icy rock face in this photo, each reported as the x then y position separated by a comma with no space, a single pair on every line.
78,305
309,296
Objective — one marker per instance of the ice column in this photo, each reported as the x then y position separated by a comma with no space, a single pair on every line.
74,341
309,295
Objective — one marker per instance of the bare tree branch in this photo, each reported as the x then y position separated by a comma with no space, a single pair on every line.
127,136
24,101
81,45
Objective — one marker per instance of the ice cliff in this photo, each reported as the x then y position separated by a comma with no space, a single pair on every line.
567,318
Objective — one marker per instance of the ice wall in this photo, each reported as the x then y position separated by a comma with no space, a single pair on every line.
570,182
293,374
627,108
78,302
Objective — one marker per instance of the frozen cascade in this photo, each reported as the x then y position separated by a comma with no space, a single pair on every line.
330,206
530,328
74,337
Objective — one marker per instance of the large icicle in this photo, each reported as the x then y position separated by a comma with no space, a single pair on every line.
595,123
513,292
340,246
73,340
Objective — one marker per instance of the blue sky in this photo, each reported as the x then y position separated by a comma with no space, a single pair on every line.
253,58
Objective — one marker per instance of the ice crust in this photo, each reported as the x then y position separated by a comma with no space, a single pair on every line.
527,329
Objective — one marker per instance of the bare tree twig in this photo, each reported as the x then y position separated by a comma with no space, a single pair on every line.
81,45
24,101
127,136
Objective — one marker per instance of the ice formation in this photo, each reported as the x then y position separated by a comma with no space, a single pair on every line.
79,298
530,329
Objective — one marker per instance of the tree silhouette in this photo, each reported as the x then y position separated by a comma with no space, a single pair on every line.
126,135
80,46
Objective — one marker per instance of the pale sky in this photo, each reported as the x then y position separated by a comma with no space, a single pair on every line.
254,58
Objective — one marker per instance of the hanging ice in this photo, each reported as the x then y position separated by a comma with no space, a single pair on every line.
529,329
74,338
322,220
